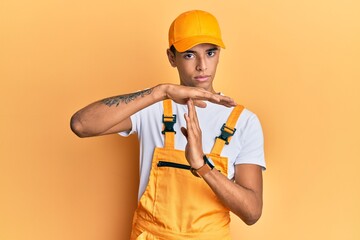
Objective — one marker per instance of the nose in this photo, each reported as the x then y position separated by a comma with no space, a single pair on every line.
201,64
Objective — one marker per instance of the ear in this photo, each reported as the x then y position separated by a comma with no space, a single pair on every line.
171,57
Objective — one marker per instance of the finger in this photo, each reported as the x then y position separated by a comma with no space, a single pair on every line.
188,124
199,103
193,125
190,121
195,118
226,101
191,108
190,104
206,95
201,94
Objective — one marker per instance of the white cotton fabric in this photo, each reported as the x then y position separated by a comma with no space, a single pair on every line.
246,146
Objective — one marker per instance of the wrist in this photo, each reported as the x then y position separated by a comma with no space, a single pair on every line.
198,163
204,169
165,89
161,92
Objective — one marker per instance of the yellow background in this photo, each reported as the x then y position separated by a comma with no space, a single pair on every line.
294,63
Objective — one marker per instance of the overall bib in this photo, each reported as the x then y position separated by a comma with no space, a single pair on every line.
177,205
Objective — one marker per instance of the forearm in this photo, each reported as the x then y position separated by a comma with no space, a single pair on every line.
113,113
244,202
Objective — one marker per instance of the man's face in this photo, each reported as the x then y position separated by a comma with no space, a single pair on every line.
197,66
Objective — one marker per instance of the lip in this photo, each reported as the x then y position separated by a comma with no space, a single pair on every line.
202,78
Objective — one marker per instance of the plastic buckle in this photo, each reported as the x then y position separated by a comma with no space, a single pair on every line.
225,134
169,125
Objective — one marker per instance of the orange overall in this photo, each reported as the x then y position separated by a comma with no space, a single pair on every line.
177,205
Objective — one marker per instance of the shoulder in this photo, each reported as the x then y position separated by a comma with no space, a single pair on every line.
248,118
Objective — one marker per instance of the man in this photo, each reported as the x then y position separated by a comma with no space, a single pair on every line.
188,181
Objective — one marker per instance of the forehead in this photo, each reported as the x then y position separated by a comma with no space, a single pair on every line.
203,47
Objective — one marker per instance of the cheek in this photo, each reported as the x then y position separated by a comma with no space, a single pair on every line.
186,69
214,65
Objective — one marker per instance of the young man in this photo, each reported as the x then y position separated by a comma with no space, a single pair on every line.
188,181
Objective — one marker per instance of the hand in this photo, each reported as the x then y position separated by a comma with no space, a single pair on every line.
193,150
181,94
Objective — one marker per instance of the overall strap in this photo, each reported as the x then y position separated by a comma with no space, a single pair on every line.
169,119
227,131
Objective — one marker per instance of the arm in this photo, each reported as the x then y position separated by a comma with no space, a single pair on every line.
242,196
112,115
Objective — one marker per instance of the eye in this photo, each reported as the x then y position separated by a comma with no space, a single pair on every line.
188,55
211,53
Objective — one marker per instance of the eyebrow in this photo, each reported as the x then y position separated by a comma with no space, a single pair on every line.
209,50
212,49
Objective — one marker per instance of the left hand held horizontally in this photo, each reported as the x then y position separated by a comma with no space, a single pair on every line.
193,150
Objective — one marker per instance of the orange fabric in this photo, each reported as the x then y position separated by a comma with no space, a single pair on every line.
177,205
192,28
230,124
168,117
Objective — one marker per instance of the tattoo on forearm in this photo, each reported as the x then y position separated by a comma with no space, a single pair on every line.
125,98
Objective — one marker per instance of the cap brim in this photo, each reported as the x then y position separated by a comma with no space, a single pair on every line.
186,44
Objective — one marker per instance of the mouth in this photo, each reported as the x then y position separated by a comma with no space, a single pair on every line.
202,78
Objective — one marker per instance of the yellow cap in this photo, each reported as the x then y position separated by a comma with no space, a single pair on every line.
192,28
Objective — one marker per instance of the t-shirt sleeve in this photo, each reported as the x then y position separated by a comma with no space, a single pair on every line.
134,125
252,151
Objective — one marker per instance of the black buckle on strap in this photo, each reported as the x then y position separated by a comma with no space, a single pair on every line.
169,124
225,134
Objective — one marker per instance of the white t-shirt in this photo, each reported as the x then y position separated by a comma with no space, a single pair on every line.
246,146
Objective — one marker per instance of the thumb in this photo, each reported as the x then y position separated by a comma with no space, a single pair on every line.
184,132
